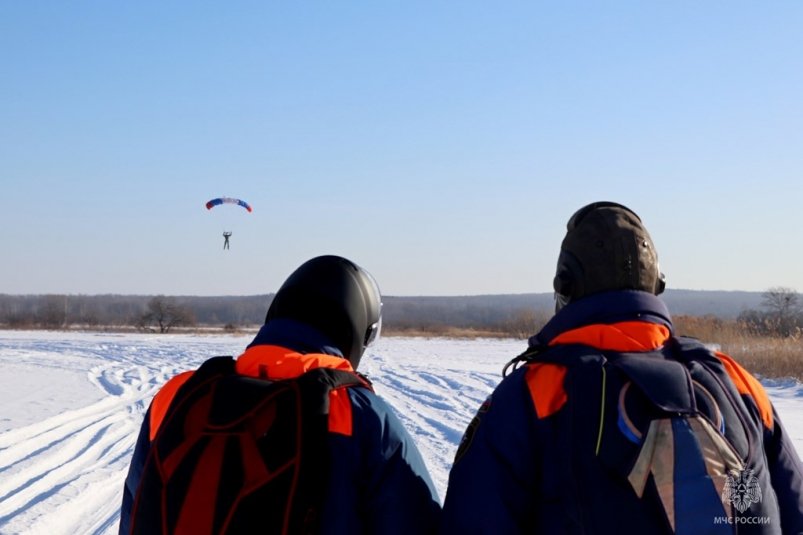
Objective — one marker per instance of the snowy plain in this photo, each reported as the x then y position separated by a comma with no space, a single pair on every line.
71,405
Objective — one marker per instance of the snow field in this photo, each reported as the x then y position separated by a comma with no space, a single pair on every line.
71,405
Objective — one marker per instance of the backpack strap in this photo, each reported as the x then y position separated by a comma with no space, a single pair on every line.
531,354
687,350
579,429
177,387
314,389
219,365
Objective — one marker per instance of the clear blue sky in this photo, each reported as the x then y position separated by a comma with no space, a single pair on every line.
442,145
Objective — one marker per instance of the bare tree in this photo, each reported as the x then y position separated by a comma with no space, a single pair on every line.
525,323
53,311
165,313
783,307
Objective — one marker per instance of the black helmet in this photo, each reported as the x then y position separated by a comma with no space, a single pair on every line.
606,248
338,298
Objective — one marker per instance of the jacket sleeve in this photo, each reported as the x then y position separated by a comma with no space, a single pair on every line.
141,450
379,481
156,412
494,476
786,472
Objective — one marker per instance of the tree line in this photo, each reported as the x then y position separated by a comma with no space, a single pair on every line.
160,312
165,313
779,312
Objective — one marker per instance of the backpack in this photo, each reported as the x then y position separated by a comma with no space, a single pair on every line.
653,435
238,454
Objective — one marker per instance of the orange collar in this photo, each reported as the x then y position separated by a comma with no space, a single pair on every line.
622,336
276,362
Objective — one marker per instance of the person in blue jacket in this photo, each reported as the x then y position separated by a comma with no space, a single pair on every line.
609,423
325,315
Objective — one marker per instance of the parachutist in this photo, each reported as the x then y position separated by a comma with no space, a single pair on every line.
227,200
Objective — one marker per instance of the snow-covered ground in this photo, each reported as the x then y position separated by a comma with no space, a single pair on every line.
71,405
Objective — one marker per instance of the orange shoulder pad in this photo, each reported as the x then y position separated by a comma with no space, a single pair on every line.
163,398
340,420
749,385
545,382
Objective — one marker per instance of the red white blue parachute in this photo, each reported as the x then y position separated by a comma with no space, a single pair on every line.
227,200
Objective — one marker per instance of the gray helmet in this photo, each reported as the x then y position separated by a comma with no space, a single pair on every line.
606,248
338,298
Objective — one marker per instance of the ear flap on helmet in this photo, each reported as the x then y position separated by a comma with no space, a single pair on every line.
568,281
660,284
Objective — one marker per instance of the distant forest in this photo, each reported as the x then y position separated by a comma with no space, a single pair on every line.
504,313
763,330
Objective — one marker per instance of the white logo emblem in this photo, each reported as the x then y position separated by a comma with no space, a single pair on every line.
741,489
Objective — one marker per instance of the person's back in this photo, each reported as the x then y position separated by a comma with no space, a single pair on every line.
611,424
370,477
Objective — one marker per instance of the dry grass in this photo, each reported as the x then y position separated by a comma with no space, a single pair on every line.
446,332
761,355
764,356
769,357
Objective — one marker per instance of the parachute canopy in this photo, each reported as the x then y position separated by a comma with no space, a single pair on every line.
227,200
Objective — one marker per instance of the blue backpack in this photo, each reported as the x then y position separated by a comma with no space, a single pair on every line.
663,435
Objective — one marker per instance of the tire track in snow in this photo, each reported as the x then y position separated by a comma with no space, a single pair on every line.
60,456
65,474
435,387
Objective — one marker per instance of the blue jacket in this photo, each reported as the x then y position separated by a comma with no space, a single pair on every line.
517,470
379,482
